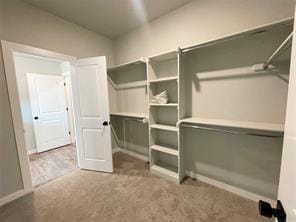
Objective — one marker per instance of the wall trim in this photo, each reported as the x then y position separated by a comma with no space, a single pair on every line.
243,193
32,151
14,196
131,153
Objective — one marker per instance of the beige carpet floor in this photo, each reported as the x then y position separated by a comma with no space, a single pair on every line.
130,194
49,165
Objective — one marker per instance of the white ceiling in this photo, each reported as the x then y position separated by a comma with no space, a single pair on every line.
111,18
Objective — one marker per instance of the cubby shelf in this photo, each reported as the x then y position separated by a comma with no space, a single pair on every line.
167,104
173,78
164,149
165,172
164,127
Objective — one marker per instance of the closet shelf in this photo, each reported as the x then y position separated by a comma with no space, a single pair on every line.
163,79
168,173
167,104
127,85
126,65
164,127
163,56
165,149
270,127
127,114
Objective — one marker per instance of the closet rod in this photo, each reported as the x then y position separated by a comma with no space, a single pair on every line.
136,120
230,131
279,51
240,35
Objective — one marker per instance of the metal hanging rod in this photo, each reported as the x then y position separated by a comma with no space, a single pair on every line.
279,51
144,120
230,131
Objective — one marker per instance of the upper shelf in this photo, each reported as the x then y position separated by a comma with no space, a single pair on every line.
164,56
126,65
271,127
165,79
128,114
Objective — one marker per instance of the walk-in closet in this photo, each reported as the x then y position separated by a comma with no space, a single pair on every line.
213,111
147,110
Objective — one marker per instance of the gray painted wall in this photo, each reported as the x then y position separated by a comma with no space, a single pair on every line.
198,21
10,174
26,24
23,23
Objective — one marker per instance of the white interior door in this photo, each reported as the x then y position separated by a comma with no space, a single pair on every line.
91,112
287,187
48,105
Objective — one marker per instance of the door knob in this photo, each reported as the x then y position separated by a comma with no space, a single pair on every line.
36,117
266,210
105,123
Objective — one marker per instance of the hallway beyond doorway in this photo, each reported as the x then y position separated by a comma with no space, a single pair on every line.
49,165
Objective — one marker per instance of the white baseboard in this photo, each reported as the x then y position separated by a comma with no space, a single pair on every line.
13,196
131,153
229,188
31,151
115,150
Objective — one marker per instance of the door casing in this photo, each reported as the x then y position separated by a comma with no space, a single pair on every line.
8,50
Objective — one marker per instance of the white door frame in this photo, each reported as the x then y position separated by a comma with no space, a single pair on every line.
8,49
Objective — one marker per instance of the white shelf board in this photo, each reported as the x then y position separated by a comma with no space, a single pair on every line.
161,171
167,104
165,149
271,127
166,79
164,56
129,114
164,127
126,65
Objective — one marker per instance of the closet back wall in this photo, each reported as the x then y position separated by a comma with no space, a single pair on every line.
196,22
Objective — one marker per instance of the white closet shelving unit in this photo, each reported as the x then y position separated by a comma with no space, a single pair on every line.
127,82
235,110
129,107
163,74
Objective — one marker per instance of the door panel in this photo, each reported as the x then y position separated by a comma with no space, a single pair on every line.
88,91
49,95
287,193
50,117
90,142
91,110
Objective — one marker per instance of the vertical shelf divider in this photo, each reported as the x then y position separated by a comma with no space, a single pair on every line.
164,144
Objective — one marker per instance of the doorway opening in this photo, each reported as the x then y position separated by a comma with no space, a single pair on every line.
44,89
